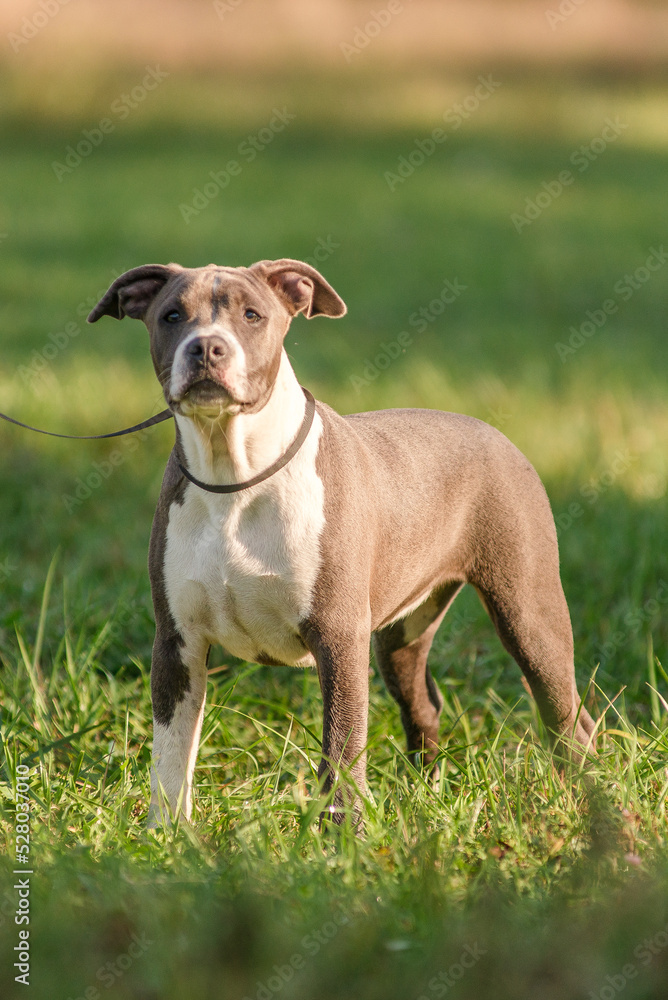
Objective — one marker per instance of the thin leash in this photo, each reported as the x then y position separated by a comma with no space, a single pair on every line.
302,434
157,419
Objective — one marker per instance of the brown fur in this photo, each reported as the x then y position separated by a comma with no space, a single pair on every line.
417,503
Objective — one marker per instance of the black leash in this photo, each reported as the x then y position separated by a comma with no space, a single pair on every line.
157,419
307,422
309,413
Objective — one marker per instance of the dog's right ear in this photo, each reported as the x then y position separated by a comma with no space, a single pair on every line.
132,293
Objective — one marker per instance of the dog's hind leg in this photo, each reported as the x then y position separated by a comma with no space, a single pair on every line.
401,651
523,596
537,634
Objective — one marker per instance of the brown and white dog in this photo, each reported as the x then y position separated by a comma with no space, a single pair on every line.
372,527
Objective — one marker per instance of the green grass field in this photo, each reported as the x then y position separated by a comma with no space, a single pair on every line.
512,878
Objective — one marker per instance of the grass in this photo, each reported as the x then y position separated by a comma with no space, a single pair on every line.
512,877
506,848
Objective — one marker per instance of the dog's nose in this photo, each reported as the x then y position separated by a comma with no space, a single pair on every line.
206,350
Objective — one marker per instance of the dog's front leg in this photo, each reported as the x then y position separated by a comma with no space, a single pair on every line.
343,670
178,688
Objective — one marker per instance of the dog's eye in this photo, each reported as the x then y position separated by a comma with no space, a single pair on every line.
173,316
251,316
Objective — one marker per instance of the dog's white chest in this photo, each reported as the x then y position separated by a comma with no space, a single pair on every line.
240,569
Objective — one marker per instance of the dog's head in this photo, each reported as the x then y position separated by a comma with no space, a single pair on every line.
217,332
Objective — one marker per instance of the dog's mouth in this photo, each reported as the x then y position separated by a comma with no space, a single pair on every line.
206,397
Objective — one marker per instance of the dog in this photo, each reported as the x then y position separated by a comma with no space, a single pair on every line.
292,535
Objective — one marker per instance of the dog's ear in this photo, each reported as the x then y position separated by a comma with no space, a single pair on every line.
301,288
132,293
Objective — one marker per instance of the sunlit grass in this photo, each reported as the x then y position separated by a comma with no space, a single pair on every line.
502,820
558,875
365,97
576,432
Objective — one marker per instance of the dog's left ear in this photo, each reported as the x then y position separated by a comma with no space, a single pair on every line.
132,293
301,288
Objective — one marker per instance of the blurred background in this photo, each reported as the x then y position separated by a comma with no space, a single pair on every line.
485,177
484,183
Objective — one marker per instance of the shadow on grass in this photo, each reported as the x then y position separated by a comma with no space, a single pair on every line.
391,250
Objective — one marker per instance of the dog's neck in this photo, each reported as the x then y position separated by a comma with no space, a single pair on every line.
231,448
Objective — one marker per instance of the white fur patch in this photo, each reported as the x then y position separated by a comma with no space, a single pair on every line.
175,745
240,568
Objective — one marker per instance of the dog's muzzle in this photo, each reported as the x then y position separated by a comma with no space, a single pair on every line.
205,374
